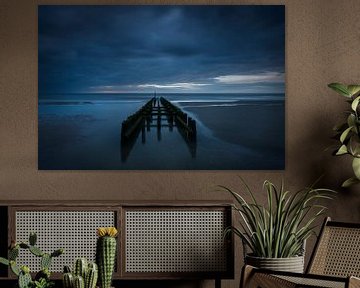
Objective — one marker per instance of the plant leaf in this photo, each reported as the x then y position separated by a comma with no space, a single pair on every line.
356,167
349,182
354,143
351,120
355,103
345,134
353,89
4,261
340,88
342,150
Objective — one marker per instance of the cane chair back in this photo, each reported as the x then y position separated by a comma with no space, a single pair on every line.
337,252
335,262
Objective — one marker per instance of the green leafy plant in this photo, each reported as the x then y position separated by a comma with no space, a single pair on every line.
42,278
348,133
43,283
279,229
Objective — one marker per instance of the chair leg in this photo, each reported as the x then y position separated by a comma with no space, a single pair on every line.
354,282
246,273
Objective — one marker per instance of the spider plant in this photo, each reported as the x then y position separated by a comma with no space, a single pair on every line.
279,229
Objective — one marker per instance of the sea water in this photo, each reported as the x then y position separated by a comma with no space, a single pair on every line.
234,132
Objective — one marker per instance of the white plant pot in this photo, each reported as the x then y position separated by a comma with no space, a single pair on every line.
291,264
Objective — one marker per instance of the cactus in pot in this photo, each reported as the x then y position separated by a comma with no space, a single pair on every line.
106,254
68,278
91,276
79,282
42,278
25,279
85,275
81,266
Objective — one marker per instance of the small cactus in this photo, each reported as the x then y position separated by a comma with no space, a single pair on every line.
89,272
67,269
24,277
80,268
57,252
13,253
36,251
91,276
45,261
14,268
32,238
25,269
106,254
68,280
42,278
79,282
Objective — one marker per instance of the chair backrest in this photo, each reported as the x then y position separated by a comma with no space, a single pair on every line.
337,251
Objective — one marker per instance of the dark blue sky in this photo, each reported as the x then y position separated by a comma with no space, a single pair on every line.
182,49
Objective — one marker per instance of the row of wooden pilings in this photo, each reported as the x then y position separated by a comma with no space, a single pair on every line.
136,120
186,124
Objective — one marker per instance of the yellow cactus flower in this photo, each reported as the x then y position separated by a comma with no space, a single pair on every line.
112,231
106,231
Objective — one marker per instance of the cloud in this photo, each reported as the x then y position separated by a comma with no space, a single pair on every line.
268,77
180,85
102,45
111,89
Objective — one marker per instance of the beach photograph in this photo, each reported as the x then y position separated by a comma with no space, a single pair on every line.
161,87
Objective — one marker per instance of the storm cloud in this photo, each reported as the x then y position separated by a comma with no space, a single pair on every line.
133,48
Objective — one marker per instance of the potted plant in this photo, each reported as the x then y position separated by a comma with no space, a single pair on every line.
42,278
276,233
84,274
106,254
348,132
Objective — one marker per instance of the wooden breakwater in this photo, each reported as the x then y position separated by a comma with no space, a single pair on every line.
157,112
132,124
185,124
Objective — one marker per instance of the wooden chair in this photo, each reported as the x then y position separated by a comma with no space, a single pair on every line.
334,263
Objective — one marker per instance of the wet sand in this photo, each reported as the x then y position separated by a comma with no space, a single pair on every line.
253,126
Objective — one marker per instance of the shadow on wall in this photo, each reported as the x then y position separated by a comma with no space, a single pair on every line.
333,170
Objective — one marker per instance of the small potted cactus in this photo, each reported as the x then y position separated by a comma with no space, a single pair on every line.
106,254
85,275
42,278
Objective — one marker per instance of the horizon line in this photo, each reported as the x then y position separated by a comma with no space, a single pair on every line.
152,93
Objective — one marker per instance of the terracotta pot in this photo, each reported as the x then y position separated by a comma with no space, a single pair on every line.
291,264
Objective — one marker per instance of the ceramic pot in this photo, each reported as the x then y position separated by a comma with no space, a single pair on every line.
291,264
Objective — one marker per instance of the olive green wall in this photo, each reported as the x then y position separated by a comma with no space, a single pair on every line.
322,46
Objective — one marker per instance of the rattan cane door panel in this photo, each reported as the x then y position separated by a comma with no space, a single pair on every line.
175,241
74,230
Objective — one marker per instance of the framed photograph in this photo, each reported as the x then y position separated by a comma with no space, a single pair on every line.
161,87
